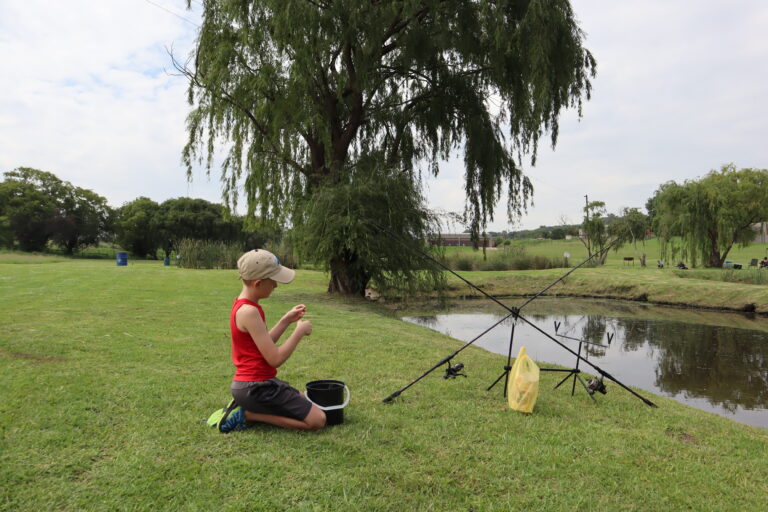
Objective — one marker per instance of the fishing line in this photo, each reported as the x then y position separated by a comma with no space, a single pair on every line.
172,13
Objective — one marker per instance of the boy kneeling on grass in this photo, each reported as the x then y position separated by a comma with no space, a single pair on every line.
258,395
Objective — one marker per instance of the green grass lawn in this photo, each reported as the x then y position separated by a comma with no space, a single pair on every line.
107,373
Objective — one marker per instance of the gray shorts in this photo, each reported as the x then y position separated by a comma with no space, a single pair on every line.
273,396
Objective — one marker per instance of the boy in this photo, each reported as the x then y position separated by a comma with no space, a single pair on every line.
258,395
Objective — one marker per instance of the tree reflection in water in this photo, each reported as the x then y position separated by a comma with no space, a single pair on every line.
727,366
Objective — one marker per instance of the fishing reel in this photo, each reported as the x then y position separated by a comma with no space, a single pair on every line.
453,371
596,385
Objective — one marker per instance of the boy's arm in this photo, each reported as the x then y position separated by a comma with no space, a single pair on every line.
294,315
278,329
249,318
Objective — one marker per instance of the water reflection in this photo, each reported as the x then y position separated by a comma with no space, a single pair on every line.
717,368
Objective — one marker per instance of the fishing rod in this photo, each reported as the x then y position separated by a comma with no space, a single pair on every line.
512,312
445,360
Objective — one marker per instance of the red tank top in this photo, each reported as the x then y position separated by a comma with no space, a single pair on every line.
249,363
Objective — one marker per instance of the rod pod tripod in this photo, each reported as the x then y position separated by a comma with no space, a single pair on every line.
593,385
574,372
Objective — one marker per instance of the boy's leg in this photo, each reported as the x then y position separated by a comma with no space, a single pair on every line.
314,420
278,403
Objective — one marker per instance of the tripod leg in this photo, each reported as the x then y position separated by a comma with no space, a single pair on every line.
508,367
573,388
570,374
504,374
591,395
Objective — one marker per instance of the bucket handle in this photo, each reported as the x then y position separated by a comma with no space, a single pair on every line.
331,407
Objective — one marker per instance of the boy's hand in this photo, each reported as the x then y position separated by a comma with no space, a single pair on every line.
304,327
295,314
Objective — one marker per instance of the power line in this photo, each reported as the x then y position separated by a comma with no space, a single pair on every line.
173,13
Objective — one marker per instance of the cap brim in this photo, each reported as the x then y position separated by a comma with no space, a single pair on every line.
284,275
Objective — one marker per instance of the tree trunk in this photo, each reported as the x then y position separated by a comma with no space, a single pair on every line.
715,259
346,277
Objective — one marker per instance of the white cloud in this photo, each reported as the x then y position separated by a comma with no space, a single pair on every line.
680,90
89,98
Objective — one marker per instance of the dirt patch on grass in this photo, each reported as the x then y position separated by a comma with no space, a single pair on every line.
32,357
681,435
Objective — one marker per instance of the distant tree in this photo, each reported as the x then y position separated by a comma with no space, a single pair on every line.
610,218
108,229
38,207
630,227
603,230
6,234
650,207
44,182
138,228
30,200
317,98
26,215
557,234
260,233
596,237
81,219
712,214
199,219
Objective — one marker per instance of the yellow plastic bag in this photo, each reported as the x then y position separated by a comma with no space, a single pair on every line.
523,383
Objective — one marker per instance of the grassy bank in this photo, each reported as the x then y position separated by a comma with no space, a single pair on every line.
108,371
660,286
744,289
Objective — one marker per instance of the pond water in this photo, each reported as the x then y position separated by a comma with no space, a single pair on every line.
714,361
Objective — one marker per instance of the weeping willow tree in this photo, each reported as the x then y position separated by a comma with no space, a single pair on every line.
325,102
702,219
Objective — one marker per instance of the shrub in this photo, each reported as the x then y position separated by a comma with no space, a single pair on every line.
211,254
462,262
284,252
208,254
508,258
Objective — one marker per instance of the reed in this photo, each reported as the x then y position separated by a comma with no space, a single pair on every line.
208,254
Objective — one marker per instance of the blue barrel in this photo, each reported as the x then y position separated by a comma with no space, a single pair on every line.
122,259
167,261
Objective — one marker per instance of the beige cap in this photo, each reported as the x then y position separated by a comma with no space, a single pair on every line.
261,264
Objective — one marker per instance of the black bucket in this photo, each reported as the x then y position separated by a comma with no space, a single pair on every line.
329,396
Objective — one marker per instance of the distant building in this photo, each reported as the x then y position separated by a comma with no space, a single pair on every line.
459,240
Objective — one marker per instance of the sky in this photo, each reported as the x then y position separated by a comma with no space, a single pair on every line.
88,93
